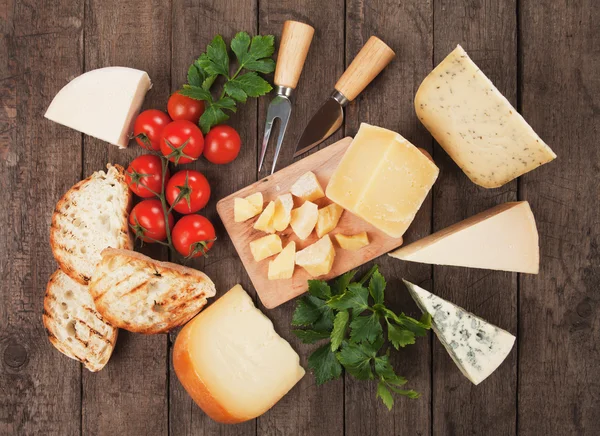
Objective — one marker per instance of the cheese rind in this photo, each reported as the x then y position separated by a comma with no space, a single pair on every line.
503,238
317,259
282,267
476,346
102,103
476,125
328,219
383,179
232,362
265,247
304,219
353,242
307,187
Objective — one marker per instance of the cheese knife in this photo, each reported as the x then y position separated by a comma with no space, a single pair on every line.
295,41
368,63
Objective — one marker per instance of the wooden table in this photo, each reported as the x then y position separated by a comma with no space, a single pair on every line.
542,54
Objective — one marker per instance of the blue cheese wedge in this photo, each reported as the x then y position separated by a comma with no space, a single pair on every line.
476,125
476,346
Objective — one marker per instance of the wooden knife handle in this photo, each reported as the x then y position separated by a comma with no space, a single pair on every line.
295,41
368,63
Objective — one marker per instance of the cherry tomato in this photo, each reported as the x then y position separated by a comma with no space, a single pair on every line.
181,107
222,144
191,187
147,221
145,172
182,142
151,124
193,235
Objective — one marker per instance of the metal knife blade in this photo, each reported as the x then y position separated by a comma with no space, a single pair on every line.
322,125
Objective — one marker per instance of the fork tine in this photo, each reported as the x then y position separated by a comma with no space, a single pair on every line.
282,126
265,143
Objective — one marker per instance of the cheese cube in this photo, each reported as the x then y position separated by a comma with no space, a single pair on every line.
328,218
353,242
307,187
265,247
476,346
232,362
476,125
102,103
304,219
503,238
317,259
282,267
246,208
283,212
382,179
265,220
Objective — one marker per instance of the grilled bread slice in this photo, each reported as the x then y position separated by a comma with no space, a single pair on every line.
91,216
142,295
74,326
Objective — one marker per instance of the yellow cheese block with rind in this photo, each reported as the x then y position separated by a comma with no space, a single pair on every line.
282,267
304,219
353,242
283,212
265,247
328,218
476,125
503,238
307,187
317,259
265,220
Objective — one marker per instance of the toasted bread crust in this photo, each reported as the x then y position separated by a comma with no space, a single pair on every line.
59,252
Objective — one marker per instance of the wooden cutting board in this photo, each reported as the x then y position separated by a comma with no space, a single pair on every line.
272,293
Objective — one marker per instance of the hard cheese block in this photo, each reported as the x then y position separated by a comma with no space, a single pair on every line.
503,238
232,362
476,125
383,179
476,346
102,103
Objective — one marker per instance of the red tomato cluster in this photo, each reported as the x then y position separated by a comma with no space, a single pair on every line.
178,138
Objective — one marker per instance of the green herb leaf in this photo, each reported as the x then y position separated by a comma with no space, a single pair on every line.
235,91
356,361
247,85
308,310
340,324
324,364
239,45
410,394
417,327
377,287
310,336
341,283
385,395
319,289
356,297
399,337
212,116
215,60
385,371
365,328
250,55
196,92
194,77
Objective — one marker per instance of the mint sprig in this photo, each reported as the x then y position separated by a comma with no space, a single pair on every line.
360,332
253,56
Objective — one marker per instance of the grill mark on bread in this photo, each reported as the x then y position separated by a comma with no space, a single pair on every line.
93,331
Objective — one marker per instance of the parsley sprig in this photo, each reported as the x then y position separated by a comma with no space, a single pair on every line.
358,327
253,57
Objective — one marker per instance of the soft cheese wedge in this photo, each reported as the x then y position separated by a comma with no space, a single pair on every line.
265,220
353,242
283,212
503,238
304,219
232,362
328,219
246,208
317,259
307,187
265,247
102,103
282,267
382,179
476,346
476,125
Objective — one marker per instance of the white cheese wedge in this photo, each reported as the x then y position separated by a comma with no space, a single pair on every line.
282,267
265,220
265,247
102,103
317,259
382,179
246,208
232,362
476,125
476,346
304,219
283,212
328,219
353,242
307,187
503,238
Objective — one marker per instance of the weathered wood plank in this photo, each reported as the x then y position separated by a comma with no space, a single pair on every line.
388,102
194,26
40,50
487,31
559,326
132,391
307,409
